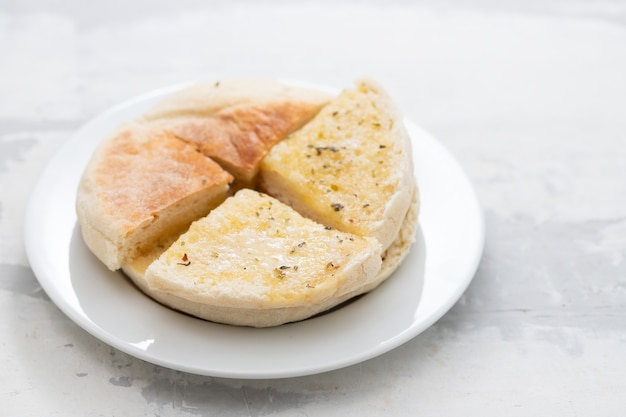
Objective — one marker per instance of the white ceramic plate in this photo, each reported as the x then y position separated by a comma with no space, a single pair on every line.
435,274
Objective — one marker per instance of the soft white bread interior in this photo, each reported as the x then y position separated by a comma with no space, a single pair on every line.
349,168
255,253
141,187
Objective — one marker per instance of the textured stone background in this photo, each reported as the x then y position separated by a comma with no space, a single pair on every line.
529,96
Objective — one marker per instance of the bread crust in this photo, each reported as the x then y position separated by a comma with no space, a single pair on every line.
236,122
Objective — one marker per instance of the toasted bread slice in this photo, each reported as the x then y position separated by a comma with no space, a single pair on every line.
236,122
142,186
253,253
349,168
251,316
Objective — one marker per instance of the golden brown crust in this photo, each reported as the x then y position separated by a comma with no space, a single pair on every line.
239,137
114,209
236,121
167,169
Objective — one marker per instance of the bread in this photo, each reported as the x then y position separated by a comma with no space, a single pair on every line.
236,122
233,121
263,312
142,187
349,168
314,231
255,252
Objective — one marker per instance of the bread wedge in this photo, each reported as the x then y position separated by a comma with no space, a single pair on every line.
241,315
236,122
255,254
349,168
142,187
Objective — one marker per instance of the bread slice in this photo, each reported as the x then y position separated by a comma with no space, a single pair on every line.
242,315
349,168
236,122
141,187
254,261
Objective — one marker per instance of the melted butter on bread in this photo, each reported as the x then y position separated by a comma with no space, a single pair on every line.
255,252
350,167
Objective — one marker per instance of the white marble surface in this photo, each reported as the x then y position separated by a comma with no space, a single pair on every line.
529,96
